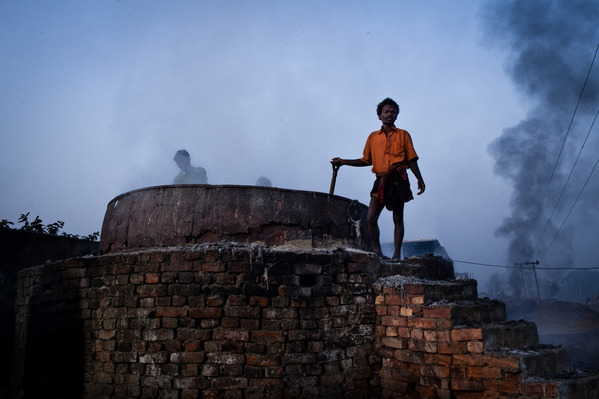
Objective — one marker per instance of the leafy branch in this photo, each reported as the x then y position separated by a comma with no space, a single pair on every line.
53,229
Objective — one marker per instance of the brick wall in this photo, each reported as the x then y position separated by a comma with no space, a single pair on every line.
247,321
438,340
18,250
206,321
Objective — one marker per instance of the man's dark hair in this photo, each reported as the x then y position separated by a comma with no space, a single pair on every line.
386,101
182,154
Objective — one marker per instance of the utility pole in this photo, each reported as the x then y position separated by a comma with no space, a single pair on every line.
523,281
534,271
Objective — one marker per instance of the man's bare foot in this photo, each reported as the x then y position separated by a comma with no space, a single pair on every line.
382,256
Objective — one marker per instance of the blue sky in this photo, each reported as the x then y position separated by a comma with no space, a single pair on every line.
96,97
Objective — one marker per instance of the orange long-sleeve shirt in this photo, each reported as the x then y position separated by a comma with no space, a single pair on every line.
381,152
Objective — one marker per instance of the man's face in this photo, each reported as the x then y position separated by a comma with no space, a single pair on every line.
183,162
388,114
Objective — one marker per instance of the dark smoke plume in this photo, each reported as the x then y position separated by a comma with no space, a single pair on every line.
551,45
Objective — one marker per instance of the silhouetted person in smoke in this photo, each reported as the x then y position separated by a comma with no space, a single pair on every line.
189,174
263,181
390,152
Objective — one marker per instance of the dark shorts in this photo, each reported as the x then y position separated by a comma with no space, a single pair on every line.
396,191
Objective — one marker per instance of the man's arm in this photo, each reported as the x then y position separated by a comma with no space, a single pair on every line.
413,164
350,162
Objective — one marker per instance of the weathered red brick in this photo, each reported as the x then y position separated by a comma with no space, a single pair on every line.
206,313
231,335
404,332
280,313
501,386
409,356
259,301
353,267
178,300
106,334
192,334
189,370
417,300
299,358
414,289
262,384
391,332
453,347
484,372
176,265
437,311
149,302
426,392
249,324
458,372
263,360
466,385
225,358
332,379
438,371
417,333
151,290
435,358
430,335
213,267
471,359
393,342
380,331
406,312
157,357
267,336
237,300
475,347
239,267
152,278
394,310
171,312
422,346
393,321
393,386
544,389
193,346
230,322
422,322
161,334
444,324
394,300
505,362
466,334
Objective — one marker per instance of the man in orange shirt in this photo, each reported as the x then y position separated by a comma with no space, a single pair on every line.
390,152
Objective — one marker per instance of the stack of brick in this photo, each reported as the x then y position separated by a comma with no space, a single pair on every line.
438,340
227,320
211,320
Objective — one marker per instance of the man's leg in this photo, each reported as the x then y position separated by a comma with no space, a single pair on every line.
398,233
374,211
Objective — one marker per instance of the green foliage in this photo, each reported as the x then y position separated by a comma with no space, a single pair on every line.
6,224
53,229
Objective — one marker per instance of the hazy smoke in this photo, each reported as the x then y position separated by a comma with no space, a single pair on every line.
551,45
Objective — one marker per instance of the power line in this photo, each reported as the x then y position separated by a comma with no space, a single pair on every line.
571,208
562,147
518,267
484,264
564,189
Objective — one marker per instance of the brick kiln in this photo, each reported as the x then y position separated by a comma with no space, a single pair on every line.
244,292
182,215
